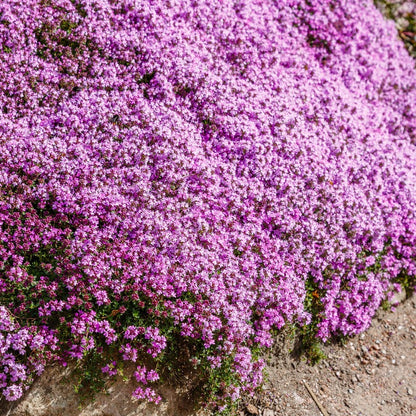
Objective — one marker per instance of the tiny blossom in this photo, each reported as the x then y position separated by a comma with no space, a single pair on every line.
128,352
13,392
110,369
102,297
152,376
132,332
147,394
214,361
140,374
37,342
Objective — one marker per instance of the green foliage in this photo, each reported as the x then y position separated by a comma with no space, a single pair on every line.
308,344
385,305
146,78
89,379
68,26
407,282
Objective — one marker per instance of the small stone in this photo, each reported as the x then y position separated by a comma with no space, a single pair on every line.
393,362
409,391
297,398
252,409
268,412
350,391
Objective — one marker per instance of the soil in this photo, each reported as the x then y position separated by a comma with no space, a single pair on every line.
373,374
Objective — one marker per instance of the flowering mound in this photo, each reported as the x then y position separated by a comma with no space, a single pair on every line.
196,174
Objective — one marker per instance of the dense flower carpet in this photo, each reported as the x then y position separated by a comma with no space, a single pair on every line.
185,177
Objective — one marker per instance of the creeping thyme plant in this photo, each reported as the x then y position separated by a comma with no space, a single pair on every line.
195,175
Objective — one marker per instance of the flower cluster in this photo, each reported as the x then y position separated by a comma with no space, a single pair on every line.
15,343
143,376
201,170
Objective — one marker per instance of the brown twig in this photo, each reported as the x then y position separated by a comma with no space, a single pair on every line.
315,399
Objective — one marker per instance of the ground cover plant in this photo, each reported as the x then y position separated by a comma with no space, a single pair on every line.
182,178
